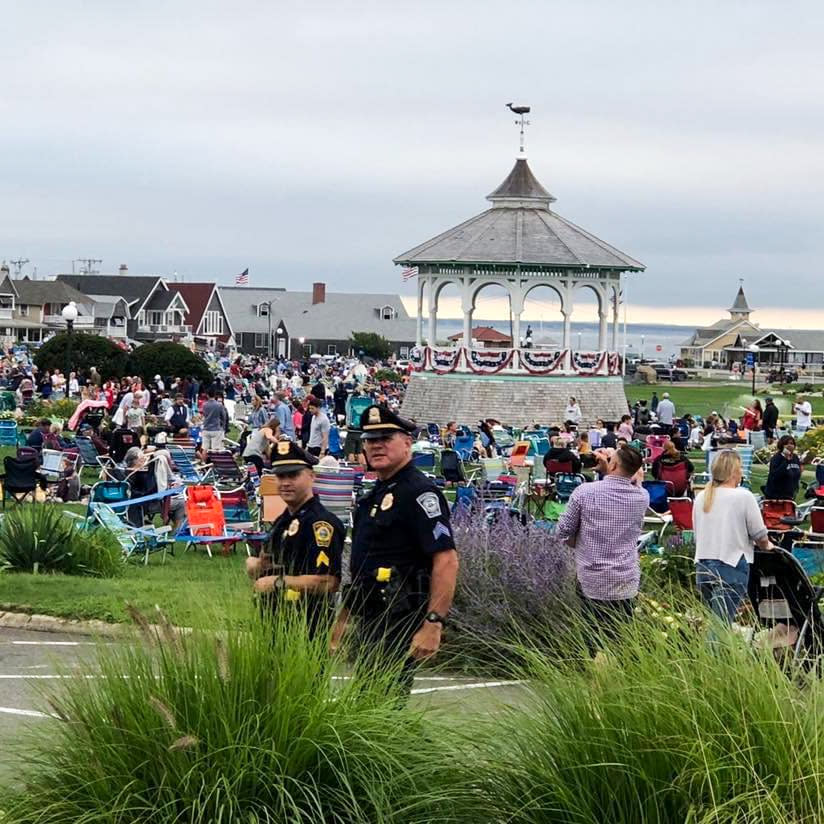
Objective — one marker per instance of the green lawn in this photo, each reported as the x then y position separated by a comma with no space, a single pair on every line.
726,399
185,587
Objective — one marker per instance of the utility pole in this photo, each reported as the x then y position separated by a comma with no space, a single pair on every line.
18,265
87,265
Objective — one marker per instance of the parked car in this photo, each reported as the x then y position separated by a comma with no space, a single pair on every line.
672,374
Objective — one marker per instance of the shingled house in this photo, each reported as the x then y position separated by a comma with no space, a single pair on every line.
300,324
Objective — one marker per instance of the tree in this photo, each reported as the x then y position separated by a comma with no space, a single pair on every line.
371,344
85,351
167,359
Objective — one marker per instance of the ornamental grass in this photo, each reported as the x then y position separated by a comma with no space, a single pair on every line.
245,726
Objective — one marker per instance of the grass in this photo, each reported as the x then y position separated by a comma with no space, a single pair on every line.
726,399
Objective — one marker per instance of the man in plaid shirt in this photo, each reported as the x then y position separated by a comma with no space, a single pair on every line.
603,521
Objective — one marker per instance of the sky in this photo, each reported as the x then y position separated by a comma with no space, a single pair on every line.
316,141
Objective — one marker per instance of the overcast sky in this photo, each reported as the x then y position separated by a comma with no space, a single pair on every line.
314,141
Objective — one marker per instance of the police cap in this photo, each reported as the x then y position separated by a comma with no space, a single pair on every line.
378,422
289,457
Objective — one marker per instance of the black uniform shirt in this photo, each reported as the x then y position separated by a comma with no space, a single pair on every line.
401,523
310,542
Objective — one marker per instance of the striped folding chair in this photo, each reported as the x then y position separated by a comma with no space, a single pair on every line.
335,488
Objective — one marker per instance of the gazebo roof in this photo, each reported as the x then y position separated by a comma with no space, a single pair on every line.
520,228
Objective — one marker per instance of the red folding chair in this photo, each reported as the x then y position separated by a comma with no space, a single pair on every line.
558,468
681,511
775,511
817,522
676,477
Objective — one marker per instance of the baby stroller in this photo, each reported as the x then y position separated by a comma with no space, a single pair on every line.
782,594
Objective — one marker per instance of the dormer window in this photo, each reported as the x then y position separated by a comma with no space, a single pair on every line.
387,313
263,310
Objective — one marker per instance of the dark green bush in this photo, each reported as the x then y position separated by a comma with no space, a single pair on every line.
167,359
86,351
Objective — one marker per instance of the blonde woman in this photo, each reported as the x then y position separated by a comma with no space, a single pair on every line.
727,523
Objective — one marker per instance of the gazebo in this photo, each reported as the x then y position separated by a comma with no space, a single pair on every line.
519,243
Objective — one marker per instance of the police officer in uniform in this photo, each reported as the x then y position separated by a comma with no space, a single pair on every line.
403,564
301,564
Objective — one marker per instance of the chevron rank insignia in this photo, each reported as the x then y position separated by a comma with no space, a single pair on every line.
441,529
322,559
323,535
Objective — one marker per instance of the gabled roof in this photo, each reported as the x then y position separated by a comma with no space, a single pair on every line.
520,228
707,335
198,296
486,334
134,288
162,299
41,292
336,318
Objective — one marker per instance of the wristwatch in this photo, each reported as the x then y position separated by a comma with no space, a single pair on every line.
435,618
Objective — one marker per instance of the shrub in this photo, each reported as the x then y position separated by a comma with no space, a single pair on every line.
513,579
41,539
86,351
371,344
666,728
388,375
674,566
62,408
813,440
168,359
243,727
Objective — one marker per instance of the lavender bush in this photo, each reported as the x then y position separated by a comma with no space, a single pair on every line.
514,584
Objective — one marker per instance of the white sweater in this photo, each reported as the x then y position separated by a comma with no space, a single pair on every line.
730,528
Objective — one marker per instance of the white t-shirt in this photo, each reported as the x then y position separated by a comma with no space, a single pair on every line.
730,528
803,414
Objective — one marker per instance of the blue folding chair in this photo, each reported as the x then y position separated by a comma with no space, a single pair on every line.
424,461
464,446
8,433
566,483
434,432
335,447
657,496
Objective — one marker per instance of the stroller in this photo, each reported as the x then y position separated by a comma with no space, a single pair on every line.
782,594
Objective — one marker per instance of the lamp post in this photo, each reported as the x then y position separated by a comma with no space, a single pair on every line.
753,350
69,314
279,332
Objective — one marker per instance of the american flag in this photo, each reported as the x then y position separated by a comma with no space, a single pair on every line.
242,279
412,272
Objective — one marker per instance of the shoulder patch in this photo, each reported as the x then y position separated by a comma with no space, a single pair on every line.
430,504
323,533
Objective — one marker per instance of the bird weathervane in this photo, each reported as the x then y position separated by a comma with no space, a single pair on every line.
520,111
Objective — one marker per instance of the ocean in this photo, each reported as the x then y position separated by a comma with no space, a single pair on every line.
649,340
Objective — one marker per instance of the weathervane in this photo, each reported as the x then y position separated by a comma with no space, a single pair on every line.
520,111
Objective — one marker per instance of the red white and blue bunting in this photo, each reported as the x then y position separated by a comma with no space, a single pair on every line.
488,361
444,360
418,357
586,364
542,362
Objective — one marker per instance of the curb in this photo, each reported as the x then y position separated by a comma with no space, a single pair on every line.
69,626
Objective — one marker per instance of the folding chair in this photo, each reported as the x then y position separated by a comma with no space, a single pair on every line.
335,446
226,469
434,432
238,516
465,446
657,495
681,511
20,479
595,438
335,489
566,483
810,554
186,466
778,514
758,440
133,540
425,461
746,454
676,477
205,521
53,463
659,521
558,468
491,469
8,433
88,453
452,467
518,455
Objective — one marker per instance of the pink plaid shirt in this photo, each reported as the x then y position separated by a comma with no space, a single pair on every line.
603,521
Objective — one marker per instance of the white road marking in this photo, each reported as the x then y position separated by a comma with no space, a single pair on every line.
28,713
51,643
472,686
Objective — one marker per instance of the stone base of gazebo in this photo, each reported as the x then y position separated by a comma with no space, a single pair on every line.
516,400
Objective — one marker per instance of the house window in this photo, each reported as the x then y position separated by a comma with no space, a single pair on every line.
34,335
6,301
24,310
404,352
141,318
260,340
101,322
331,349
263,310
213,323
307,350
155,318
387,313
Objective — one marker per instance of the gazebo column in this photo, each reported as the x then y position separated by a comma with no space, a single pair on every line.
467,307
602,329
419,320
567,313
615,295
433,314
516,304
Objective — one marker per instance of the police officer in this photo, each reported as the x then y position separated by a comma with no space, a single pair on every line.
301,564
404,564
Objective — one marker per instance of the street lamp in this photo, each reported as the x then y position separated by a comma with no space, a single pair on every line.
279,332
69,314
753,350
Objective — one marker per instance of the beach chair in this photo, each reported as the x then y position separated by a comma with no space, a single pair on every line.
335,446
189,470
226,469
240,517
676,478
554,468
335,489
810,554
746,454
659,521
566,483
425,461
19,480
452,467
54,463
491,469
8,433
681,511
205,522
657,495
465,446
88,453
134,541
758,440
518,455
